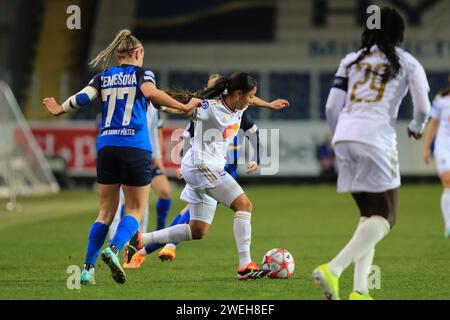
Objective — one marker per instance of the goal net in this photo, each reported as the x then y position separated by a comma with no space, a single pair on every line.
24,170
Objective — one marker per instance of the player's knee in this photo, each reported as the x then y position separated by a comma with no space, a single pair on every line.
106,217
164,194
242,203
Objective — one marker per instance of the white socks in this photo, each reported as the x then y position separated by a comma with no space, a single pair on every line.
242,234
363,265
174,234
445,207
366,236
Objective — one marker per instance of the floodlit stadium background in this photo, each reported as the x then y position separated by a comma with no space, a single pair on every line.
291,47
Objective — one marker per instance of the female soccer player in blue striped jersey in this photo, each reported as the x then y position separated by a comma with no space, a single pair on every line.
123,147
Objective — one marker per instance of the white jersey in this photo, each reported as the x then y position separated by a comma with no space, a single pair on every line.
153,124
372,102
441,111
215,126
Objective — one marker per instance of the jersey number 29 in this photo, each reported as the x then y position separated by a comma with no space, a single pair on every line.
372,74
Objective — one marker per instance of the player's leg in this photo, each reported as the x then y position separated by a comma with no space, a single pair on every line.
167,253
108,185
161,186
135,177
201,207
362,167
109,199
202,215
445,201
230,194
118,216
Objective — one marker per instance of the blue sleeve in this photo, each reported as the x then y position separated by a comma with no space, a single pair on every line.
145,75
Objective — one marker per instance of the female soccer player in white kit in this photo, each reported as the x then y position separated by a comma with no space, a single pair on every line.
439,127
215,125
361,110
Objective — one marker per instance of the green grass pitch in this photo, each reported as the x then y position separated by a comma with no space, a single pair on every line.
312,222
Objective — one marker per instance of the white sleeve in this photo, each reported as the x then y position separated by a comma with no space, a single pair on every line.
436,109
419,88
152,121
335,103
337,96
80,99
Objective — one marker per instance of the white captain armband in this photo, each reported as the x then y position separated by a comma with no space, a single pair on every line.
80,99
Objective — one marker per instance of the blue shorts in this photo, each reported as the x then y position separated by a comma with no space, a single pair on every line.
124,165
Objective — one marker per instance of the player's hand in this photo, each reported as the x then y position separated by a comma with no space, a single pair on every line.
413,134
193,103
279,104
52,106
427,155
252,166
179,174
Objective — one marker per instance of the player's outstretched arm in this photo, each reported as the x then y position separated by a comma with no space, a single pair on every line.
82,98
161,98
53,107
275,105
428,139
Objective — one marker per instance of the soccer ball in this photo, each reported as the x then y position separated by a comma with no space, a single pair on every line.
280,263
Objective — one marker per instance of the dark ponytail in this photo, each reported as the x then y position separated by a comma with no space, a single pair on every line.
386,38
223,85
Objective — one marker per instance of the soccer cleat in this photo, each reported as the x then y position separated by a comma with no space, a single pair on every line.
136,261
355,295
167,253
133,246
328,282
112,261
87,276
251,271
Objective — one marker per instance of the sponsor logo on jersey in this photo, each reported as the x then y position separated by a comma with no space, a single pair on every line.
231,131
205,105
149,73
221,172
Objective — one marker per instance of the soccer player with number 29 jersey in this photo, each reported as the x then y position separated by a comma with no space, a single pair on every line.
361,110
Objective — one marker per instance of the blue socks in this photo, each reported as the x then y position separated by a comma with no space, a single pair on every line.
179,219
162,211
125,230
97,237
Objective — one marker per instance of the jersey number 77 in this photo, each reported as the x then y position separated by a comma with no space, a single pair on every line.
119,93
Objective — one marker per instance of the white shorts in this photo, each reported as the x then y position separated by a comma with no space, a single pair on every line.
208,186
364,168
442,161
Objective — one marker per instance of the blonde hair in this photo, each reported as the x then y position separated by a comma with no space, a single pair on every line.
122,46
